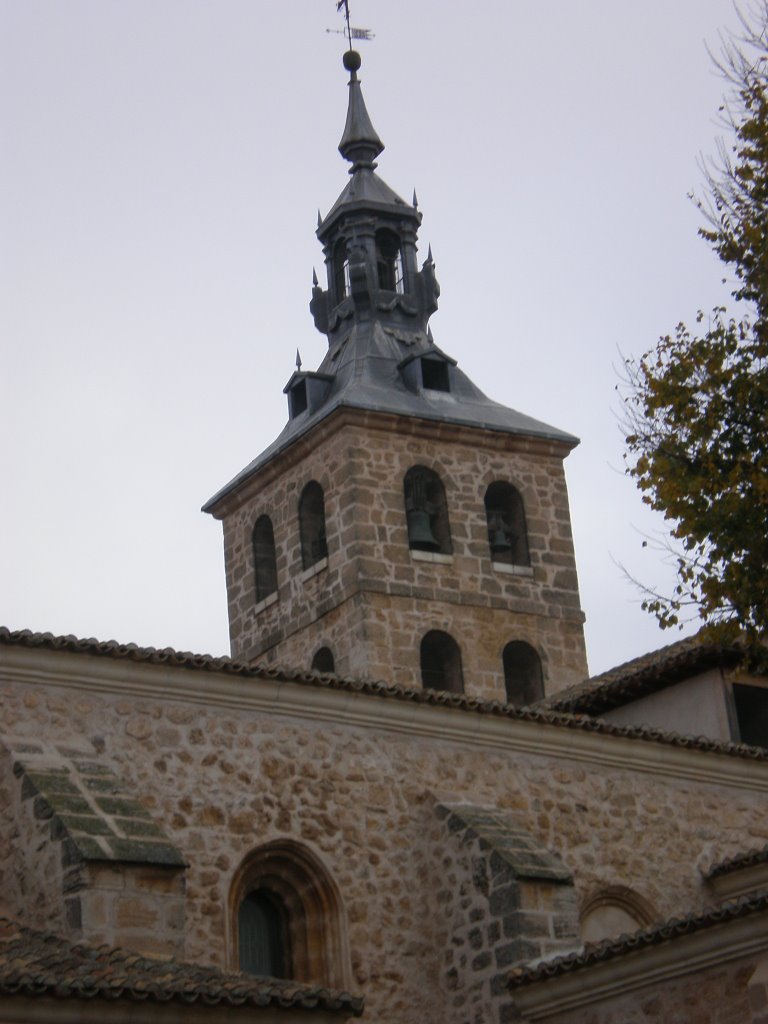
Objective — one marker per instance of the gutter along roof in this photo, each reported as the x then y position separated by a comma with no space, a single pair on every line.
644,675
206,663
38,963
612,949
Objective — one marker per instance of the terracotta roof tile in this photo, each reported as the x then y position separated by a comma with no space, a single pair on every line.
206,663
742,860
36,963
643,675
610,949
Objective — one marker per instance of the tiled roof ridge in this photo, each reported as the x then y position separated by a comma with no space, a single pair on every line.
741,860
611,949
540,714
35,963
638,675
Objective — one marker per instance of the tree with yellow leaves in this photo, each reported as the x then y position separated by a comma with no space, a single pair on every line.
697,404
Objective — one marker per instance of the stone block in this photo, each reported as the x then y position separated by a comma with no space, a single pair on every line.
516,952
158,881
72,913
504,900
526,924
482,961
133,912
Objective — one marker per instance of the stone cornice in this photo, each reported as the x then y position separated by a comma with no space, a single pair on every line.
55,1010
701,944
740,882
370,705
242,488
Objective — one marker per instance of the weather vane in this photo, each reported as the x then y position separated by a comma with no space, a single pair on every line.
348,31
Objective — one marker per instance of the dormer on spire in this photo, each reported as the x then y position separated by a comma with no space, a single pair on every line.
360,143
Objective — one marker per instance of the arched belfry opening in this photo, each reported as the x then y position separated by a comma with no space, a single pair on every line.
389,261
441,662
507,531
340,270
426,511
523,675
314,547
264,558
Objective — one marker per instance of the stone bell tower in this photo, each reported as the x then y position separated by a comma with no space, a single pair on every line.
403,526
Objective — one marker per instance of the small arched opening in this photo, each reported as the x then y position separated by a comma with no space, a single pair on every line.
426,511
441,662
389,261
613,911
323,661
312,524
523,676
505,518
264,558
340,269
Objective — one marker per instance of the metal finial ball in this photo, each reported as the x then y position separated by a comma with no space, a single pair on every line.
352,60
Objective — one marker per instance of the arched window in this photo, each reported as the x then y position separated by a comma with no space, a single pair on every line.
505,516
613,911
523,677
340,270
262,935
426,511
389,260
312,524
264,558
323,661
287,918
441,662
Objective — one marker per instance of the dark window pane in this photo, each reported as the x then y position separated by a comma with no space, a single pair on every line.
264,558
340,270
523,677
323,661
312,524
298,397
389,261
441,662
261,935
505,517
426,511
752,714
434,375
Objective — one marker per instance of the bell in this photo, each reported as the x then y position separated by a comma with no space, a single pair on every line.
500,542
420,536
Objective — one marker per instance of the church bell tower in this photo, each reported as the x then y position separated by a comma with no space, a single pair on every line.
403,526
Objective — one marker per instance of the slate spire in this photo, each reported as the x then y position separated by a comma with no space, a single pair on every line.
374,311
360,143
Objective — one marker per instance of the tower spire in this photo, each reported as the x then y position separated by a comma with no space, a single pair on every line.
360,144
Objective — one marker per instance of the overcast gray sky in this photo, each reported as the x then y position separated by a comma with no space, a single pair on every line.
163,163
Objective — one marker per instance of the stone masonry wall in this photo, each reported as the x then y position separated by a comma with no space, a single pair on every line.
224,780
361,471
26,839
